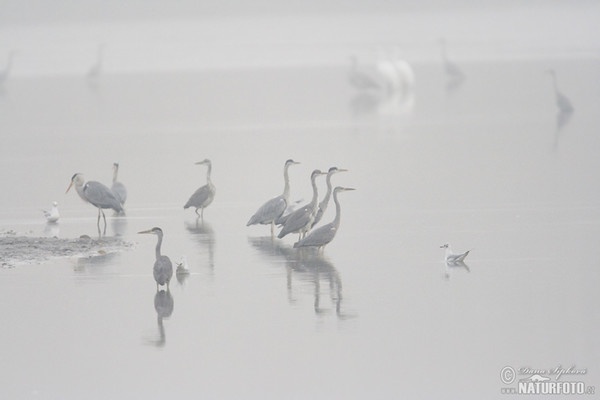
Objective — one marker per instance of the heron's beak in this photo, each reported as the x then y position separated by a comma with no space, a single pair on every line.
148,231
349,189
69,188
342,170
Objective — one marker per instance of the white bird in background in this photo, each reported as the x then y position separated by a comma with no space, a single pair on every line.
405,72
453,258
387,70
6,71
562,102
182,266
52,216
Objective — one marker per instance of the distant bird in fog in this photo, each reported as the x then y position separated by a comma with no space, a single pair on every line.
117,187
269,212
451,257
300,221
453,72
322,236
96,69
204,195
52,215
405,72
163,268
324,203
562,102
360,79
6,71
397,73
96,194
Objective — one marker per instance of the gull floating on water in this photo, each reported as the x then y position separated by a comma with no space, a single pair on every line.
453,258
182,267
52,215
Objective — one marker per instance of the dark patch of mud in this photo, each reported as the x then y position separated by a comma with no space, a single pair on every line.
16,249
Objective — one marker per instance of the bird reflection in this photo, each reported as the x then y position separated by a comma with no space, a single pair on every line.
203,233
564,107
306,266
164,305
119,225
102,259
453,267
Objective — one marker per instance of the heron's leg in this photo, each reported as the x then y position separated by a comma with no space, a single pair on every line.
202,214
272,229
104,218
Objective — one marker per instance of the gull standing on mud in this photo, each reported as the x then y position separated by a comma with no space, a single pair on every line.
322,236
117,187
300,221
163,268
97,195
52,216
453,258
204,195
273,209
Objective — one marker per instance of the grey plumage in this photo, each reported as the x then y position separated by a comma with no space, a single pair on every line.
117,187
96,194
163,268
204,196
325,202
300,221
453,258
323,235
273,209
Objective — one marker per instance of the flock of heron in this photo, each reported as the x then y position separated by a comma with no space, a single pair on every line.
274,212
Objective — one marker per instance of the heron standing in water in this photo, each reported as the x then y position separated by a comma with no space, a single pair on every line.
269,212
562,102
300,221
97,195
320,237
163,268
117,187
204,195
323,204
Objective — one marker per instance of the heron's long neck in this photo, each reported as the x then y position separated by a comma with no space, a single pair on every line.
115,173
315,197
208,171
158,245
286,178
338,210
325,200
79,189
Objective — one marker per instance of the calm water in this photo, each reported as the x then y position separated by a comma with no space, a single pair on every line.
483,166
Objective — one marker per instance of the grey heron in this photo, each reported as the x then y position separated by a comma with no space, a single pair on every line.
454,73
562,102
325,202
269,212
163,268
322,236
52,216
204,195
300,221
96,194
4,73
451,257
360,79
117,187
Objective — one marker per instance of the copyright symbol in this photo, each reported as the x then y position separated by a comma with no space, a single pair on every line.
508,375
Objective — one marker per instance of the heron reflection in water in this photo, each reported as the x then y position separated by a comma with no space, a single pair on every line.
202,233
306,268
97,195
163,305
163,267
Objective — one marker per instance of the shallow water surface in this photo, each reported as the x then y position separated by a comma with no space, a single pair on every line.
485,166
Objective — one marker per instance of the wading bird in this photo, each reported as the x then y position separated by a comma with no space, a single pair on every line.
562,102
52,215
453,72
163,268
451,257
360,79
273,209
117,187
97,195
320,237
300,221
204,195
96,68
323,204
